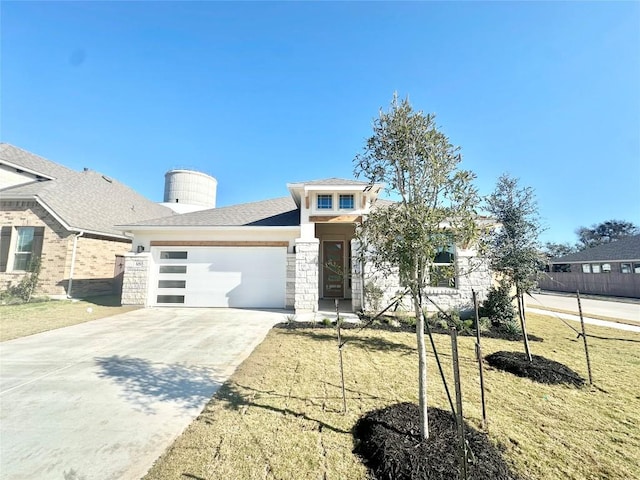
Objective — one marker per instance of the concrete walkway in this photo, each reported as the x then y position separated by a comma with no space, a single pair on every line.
102,400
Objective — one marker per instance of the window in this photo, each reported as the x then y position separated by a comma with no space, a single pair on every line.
586,268
173,255
24,248
636,268
19,247
625,268
443,272
346,202
172,284
561,267
595,267
170,298
325,202
606,268
173,269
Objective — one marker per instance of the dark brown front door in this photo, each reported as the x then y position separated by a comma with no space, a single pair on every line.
333,269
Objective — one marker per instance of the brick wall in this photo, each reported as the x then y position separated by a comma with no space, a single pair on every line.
55,246
95,265
95,256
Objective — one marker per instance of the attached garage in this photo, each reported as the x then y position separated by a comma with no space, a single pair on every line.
219,276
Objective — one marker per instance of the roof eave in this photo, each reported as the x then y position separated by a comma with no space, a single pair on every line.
132,228
26,170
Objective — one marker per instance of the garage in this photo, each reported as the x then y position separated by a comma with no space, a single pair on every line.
229,276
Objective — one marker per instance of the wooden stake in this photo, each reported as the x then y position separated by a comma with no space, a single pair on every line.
584,338
340,345
479,356
462,449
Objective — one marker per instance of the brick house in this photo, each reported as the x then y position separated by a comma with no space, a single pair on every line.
66,219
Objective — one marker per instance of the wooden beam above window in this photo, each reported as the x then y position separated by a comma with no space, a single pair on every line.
335,218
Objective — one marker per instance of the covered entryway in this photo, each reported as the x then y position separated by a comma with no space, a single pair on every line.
219,276
334,270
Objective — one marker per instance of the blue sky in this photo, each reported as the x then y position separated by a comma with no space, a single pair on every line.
261,94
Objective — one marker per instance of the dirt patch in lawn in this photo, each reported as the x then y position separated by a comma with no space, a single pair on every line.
389,442
540,369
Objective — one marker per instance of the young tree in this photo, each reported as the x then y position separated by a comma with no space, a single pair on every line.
605,232
514,247
436,205
556,250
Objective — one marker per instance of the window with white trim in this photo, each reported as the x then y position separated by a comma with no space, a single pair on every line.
19,247
324,201
443,270
346,201
24,248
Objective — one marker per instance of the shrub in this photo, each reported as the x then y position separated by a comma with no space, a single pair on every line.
498,306
326,322
373,296
24,290
512,328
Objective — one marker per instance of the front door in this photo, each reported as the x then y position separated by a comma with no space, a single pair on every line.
333,269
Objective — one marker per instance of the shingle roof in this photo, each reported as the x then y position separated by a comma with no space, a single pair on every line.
334,181
277,212
624,249
84,200
30,161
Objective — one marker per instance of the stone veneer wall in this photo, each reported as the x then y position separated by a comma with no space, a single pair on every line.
135,279
306,285
290,293
472,273
357,288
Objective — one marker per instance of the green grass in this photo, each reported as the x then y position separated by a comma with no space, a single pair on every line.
27,319
280,415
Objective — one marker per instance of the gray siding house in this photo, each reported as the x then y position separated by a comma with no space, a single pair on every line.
609,269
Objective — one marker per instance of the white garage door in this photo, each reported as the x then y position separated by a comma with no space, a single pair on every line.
243,277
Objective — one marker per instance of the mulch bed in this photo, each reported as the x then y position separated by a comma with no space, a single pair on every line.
540,369
388,441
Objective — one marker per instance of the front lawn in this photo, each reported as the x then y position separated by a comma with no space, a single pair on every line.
29,318
280,415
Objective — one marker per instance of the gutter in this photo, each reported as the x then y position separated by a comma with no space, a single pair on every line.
73,262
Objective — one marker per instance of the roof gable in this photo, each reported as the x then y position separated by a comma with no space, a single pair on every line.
87,200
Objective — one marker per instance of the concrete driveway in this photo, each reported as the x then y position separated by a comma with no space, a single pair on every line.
102,400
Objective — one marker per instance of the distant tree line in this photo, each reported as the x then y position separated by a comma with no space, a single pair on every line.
598,234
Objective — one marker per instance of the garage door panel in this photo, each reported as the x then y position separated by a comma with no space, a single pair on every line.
242,277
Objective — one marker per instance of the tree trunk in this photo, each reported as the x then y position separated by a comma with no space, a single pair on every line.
523,323
422,366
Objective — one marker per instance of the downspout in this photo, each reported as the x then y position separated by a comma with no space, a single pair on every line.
73,262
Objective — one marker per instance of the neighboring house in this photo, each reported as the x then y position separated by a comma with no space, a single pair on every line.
608,269
66,219
288,252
